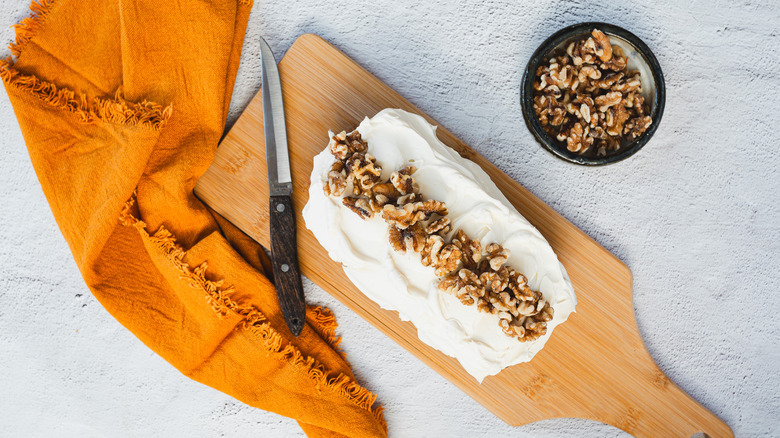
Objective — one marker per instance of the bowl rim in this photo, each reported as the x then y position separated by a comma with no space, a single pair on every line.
526,92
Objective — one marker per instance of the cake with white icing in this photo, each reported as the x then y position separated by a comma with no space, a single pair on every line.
424,232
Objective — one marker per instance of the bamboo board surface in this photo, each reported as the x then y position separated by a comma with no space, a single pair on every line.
595,365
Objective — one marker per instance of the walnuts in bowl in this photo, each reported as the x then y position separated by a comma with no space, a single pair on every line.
587,99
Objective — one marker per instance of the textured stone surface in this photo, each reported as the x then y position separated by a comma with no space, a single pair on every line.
694,215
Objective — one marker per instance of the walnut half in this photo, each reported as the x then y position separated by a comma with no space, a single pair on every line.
409,239
359,206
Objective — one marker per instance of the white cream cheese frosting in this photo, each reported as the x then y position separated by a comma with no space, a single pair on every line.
399,282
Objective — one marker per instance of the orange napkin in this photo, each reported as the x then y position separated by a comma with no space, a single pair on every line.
122,104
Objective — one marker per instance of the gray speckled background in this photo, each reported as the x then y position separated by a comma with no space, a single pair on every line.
695,216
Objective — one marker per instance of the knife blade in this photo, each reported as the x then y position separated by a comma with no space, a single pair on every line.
284,247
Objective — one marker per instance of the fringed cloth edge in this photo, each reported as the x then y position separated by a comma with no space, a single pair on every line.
146,115
29,26
219,297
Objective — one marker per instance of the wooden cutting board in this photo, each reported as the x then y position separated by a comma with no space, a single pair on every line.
594,366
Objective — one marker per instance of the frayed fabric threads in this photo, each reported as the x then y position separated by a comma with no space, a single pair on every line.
28,27
219,297
148,115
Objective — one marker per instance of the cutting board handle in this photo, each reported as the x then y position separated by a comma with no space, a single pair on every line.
641,398
664,409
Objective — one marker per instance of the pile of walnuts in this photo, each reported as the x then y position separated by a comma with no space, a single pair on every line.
588,99
476,277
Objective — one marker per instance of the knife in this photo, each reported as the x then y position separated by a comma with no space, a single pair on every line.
284,251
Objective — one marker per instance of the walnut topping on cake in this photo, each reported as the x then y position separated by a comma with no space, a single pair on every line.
337,180
439,226
358,205
402,180
476,276
409,239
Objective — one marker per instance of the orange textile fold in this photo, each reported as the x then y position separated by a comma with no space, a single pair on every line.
122,104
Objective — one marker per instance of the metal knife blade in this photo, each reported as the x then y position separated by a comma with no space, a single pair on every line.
277,157
284,252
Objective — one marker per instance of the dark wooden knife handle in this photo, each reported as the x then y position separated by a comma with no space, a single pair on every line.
284,258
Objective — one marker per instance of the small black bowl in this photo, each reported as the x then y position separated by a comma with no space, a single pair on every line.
639,58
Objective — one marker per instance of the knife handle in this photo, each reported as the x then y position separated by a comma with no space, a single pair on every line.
284,258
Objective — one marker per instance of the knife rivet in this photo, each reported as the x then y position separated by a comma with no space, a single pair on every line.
280,207
285,267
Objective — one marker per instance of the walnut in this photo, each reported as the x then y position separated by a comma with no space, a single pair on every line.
577,139
589,72
407,199
380,195
497,256
413,212
532,331
359,206
507,328
608,80
550,111
580,54
337,181
542,74
565,77
471,250
607,100
474,290
495,282
616,63
450,284
403,182
636,126
603,48
364,172
448,260
338,146
522,292
430,251
402,217
343,145
431,206
469,277
616,117
502,301
387,190
465,285
557,75
599,133
529,308
583,107
409,239
466,299
507,300
440,226
536,326
548,106
636,101
610,144
484,306
628,85
545,314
